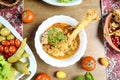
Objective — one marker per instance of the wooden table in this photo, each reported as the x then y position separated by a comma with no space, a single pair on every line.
95,45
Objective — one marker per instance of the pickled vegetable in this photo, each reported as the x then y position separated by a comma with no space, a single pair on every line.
25,54
1,25
60,74
18,54
21,67
5,32
2,38
10,36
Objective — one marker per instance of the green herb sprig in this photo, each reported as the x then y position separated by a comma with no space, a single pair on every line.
54,36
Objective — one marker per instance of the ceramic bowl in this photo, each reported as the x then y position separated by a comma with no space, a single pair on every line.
106,31
50,60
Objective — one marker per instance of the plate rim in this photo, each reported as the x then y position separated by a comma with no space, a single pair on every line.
63,4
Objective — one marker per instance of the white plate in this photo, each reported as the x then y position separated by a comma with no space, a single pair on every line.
56,3
32,62
48,59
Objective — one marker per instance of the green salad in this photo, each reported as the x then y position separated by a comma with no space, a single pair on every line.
65,1
6,70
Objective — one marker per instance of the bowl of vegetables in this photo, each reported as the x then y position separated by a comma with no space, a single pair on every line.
16,58
63,2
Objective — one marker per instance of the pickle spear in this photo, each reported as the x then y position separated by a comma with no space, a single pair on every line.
18,54
21,67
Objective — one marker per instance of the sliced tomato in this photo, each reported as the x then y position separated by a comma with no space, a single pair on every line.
88,63
42,76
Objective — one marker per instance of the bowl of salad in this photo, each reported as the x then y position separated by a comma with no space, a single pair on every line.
63,2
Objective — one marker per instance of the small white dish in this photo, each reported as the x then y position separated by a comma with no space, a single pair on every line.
52,61
32,62
56,3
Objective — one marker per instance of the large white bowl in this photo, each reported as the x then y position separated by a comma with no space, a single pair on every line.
56,3
50,60
32,62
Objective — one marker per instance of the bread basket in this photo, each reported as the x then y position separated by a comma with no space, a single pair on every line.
9,3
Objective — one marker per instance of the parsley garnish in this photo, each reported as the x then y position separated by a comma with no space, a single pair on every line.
55,36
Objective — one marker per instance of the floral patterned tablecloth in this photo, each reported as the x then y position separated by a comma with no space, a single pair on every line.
13,16
113,70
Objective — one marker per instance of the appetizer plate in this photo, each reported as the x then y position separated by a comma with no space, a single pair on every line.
50,60
56,3
32,62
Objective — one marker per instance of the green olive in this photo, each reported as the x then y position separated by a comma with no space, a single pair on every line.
5,32
1,25
2,38
10,36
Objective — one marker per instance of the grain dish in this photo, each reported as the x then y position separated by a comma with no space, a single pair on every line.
56,35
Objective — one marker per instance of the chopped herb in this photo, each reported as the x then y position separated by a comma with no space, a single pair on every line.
52,31
55,36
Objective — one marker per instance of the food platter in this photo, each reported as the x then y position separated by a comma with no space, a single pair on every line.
31,58
50,60
56,3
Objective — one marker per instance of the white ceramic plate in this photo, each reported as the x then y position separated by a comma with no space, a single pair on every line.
56,3
48,59
32,62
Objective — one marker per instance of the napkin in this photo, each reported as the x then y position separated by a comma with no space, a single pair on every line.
113,70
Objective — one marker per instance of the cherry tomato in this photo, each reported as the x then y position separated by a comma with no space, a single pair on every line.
1,48
6,49
12,42
5,43
27,16
42,76
12,49
88,63
17,43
